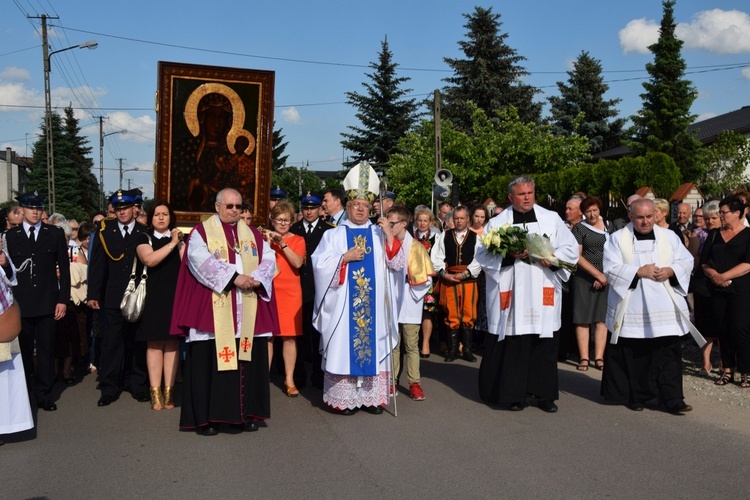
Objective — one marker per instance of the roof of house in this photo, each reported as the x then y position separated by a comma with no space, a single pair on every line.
684,190
644,191
705,130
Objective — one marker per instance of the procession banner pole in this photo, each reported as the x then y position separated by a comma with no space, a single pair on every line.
388,313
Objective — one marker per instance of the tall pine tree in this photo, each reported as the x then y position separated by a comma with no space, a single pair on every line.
384,112
490,76
581,107
82,164
662,124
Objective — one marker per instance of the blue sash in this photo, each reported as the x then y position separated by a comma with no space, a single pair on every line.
362,292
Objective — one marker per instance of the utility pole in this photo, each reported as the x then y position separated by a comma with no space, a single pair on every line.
120,160
101,162
48,116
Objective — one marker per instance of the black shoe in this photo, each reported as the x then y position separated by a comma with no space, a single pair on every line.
251,427
424,356
141,397
208,430
637,406
467,338
48,406
374,410
70,382
452,353
345,411
518,406
548,405
679,408
106,400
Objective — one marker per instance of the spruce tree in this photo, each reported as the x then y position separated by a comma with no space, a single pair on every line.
662,123
490,76
581,107
384,112
278,158
76,187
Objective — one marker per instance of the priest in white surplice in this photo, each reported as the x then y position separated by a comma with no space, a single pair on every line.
648,269
523,307
357,330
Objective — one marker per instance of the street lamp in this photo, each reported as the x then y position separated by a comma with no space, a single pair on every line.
102,135
91,44
126,170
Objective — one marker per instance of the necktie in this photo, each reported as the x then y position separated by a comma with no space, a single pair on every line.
309,228
31,233
126,232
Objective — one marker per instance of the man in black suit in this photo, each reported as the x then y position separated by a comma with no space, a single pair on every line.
37,252
110,265
311,227
682,226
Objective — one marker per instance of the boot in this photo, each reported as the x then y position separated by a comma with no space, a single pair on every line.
452,352
467,337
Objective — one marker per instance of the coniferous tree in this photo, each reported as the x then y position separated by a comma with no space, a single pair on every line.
76,187
82,163
581,107
278,158
662,124
490,76
384,112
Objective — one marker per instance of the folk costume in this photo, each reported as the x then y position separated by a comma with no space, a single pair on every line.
36,252
523,312
226,329
357,332
412,279
453,253
646,317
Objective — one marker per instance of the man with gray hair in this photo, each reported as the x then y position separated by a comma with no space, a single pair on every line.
523,306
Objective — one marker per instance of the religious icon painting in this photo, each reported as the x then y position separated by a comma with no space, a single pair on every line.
215,130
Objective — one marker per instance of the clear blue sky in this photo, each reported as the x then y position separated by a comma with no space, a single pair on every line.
295,39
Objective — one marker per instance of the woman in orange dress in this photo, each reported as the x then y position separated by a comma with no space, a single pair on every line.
290,255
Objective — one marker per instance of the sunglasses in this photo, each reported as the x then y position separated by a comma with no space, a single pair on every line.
230,206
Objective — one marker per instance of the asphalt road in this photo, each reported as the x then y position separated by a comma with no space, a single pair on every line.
449,446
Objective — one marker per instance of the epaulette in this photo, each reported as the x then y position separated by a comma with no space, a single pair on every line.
332,224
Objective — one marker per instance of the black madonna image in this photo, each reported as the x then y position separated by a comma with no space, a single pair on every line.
214,131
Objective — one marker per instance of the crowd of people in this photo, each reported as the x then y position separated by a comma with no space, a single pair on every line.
356,286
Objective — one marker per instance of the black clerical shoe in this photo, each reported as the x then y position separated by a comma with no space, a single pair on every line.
518,406
548,405
208,430
142,397
47,406
679,407
636,406
374,410
251,427
106,400
345,411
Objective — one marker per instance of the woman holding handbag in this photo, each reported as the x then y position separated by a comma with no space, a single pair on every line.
156,249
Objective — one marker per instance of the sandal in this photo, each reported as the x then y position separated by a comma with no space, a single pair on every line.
726,378
291,390
599,364
581,366
745,380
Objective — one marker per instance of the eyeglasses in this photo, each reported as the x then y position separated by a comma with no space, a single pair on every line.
74,228
724,212
230,206
697,216
282,221
397,222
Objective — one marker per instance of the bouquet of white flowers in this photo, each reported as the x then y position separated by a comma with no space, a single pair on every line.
540,247
504,240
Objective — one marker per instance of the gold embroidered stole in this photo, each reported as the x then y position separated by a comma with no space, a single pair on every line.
224,320
419,264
